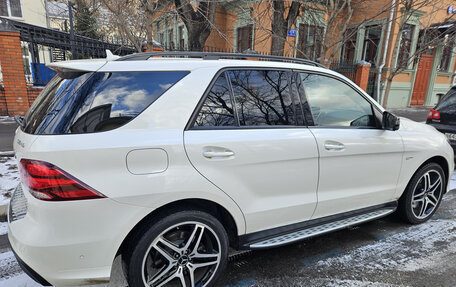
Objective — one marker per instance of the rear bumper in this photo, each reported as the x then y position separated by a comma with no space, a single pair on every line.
70,243
30,272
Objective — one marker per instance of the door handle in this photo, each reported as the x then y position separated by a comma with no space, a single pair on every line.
215,154
334,146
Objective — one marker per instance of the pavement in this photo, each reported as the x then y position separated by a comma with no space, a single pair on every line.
417,114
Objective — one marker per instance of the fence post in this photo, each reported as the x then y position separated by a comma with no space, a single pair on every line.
362,74
12,64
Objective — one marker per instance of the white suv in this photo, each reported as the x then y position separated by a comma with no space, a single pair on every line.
168,162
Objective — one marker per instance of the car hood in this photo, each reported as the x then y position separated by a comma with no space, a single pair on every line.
409,125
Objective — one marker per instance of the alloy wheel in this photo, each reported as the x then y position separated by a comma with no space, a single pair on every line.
427,193
186,254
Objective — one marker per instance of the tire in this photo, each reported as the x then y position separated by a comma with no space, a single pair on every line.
423,194
176,247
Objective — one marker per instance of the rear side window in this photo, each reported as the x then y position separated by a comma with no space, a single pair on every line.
96,102
448,102
217,109
263,98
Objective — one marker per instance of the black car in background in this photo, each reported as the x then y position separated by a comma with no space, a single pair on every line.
443,116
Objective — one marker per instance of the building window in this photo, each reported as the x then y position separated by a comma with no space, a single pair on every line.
244,38
406,45
371,42
309,45
349,47
181,38
171,39
10,8
446,56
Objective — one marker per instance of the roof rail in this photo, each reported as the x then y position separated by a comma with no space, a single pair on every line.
217,56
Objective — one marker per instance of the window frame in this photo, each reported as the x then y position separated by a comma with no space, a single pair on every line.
402,47
376,112
316,44
239,30
8,8
367,54
191,122
447,55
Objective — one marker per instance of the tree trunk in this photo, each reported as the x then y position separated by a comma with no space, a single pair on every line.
389,81
198,23
281,25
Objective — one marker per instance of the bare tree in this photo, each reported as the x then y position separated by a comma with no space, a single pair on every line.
130,20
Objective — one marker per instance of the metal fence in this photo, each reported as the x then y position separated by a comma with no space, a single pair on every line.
41,45
348,69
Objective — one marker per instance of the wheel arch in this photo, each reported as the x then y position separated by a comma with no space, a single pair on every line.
211,207
440,160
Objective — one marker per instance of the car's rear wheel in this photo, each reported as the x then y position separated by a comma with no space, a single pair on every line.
188,248
423,194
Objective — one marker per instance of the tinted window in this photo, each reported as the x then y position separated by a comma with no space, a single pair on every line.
263,98
448,102
334,103
217,109
95,102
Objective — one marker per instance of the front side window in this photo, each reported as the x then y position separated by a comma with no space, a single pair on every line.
217,109
263,98
95,102
335,104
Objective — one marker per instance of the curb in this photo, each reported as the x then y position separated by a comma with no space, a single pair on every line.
7,153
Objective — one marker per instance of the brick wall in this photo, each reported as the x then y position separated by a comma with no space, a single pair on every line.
14,85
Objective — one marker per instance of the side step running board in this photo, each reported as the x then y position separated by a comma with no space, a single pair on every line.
320,229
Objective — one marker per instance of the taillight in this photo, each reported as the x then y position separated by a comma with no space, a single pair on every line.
47,182
433,115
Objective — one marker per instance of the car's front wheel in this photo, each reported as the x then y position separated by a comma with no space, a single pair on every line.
188,248
423,194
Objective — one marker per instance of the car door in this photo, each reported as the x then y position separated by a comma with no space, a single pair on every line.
249,139
359,161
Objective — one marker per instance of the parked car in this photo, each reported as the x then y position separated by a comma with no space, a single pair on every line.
443,116
168,162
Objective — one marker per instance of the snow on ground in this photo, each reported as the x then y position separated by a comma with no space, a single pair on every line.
453,181
411,250
21,280
9,178
3,228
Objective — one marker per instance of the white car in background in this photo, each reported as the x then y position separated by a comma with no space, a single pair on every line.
169,162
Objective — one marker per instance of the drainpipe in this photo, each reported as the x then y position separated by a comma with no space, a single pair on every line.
385,50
